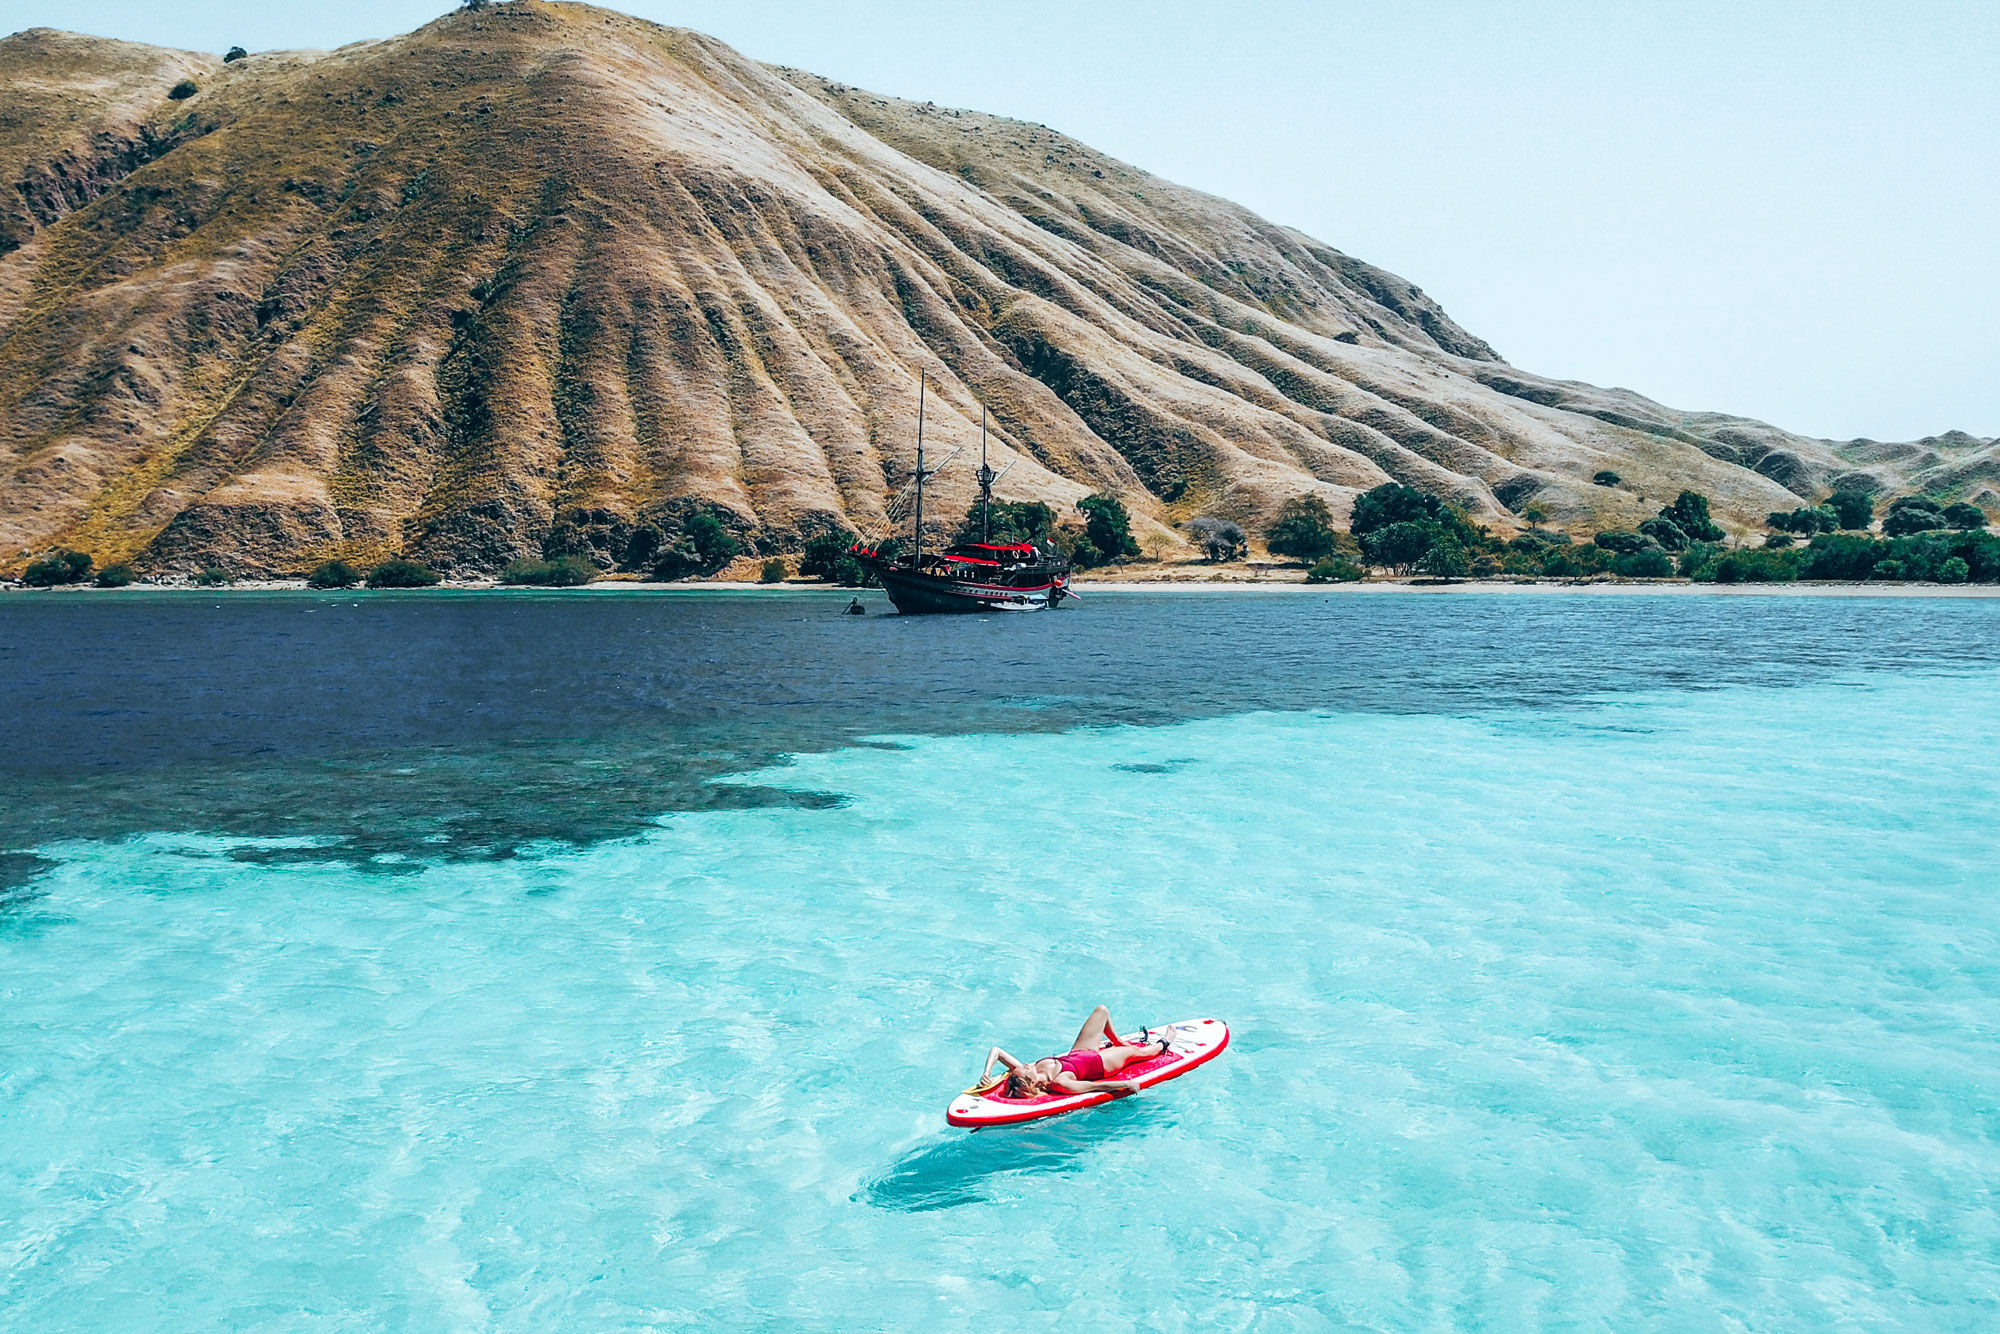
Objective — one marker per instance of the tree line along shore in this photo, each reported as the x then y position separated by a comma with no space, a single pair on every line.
1394,531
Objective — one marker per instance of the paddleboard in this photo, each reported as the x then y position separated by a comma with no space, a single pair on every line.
1190,1043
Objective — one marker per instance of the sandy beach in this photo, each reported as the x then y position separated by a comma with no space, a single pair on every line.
1224,580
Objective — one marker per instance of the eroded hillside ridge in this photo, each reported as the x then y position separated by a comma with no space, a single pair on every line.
546,279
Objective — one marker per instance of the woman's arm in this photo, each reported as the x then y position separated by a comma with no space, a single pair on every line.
1117,1088
997,1055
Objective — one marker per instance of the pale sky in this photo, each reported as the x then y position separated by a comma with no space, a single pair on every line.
1785,210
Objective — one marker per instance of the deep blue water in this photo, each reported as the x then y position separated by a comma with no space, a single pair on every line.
461,961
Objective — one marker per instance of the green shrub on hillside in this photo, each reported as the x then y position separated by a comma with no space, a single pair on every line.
115,576
824,554
1334,570
334,574
1606,478
1954,571
714,544
59,567
183,90
1751,566
1963,516
1650,563
1804,520
1855,556
773,572
828,557
705,546
563,572
400,573
1576,561
213,576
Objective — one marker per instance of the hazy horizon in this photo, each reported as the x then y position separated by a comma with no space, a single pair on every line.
1785,214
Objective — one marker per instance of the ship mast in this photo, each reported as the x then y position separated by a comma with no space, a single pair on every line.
986,476
917,560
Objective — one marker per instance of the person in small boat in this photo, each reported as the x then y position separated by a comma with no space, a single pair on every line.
1085,1068
854,608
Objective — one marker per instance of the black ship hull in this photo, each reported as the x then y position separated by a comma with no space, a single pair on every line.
918,594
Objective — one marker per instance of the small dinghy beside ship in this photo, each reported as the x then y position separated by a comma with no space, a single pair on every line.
969,576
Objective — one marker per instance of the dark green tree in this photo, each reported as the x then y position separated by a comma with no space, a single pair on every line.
115,576
1400,545
1649,563
234,54
401,573
1008,521
1804,520
851,573
1689,513
183,90
1855,509
705,546
562,572
213,576
334,574
1751,567
61,566
1391,503
1107,528
714,544
1912,514
1447,558
1607,478
824,554
1670,535
1303,529
1964,517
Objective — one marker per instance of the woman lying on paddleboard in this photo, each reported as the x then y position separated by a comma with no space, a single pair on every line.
1082,1069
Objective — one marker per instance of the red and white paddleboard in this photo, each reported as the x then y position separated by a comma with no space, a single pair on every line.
1190,1043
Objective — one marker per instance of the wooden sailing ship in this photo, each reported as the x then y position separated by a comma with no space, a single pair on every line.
968,576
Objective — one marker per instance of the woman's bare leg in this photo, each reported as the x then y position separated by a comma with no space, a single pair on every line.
1092,1031
1117,1058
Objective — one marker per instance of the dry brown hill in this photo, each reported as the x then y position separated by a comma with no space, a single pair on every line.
533,278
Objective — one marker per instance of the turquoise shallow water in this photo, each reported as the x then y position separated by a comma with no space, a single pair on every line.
1669,1011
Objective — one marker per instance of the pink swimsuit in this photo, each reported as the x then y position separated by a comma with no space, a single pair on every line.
1086,1065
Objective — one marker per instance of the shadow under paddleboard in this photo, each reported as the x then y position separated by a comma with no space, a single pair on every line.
943,1174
